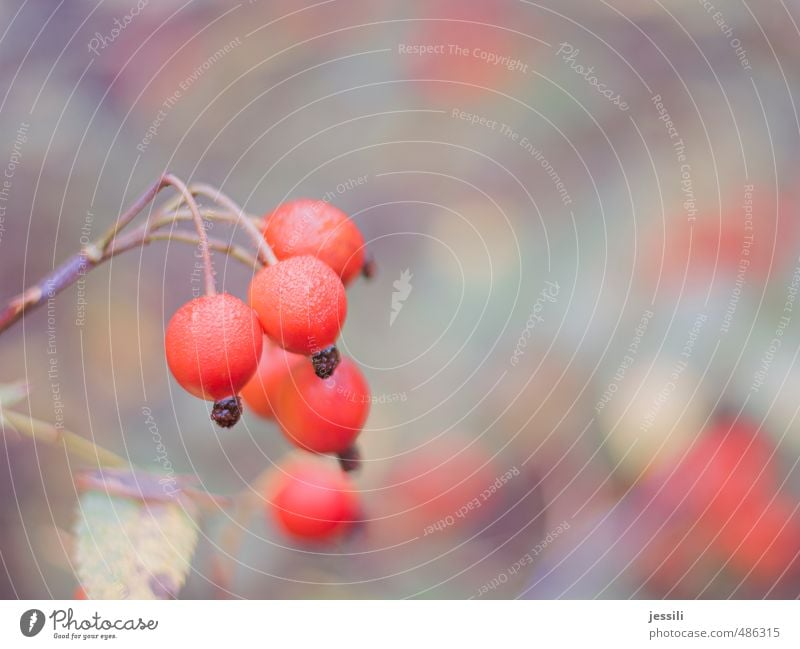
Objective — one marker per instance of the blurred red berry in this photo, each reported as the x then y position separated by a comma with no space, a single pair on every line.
719,243
311,500
760,538
460,71
726,489
729,462
435,481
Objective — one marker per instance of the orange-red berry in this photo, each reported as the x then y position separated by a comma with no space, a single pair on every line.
311,500
301,304
323,415
260,392
439,478
213,344
317,228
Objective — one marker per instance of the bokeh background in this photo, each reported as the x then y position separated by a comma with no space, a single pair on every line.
597,202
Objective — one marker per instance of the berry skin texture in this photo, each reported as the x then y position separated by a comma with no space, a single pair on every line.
213,344
301,304
260,392
317,228
312,501
323,415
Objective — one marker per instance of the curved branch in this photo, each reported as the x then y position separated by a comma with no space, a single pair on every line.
178,184
111,243
265,252
49,286
76,266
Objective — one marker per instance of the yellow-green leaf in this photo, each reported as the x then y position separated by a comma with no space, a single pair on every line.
133,548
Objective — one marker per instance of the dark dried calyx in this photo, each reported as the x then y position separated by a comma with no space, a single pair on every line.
226,412
350,460
370,267
326,361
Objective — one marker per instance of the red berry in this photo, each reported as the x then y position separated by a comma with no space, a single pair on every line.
301,304
461,79
260,392
727,488
729,463
311,500
323,415
317,228
437,479
759,537
213,344
713,246
80,593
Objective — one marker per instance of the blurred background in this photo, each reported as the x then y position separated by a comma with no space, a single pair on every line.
597,204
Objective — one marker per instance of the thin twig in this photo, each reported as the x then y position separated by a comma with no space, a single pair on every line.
112,243
79,264
184,214
128,215
213,214
237,252
49,286
178,184
265,253
166,216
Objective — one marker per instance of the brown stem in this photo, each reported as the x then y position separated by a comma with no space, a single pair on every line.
177,183
111,243
265,253
145,233
231,250
186,215
128,215
79,264
49,286
71,270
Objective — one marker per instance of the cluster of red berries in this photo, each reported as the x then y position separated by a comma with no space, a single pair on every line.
223,350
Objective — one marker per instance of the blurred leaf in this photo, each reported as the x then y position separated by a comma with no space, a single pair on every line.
133,548
12,393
